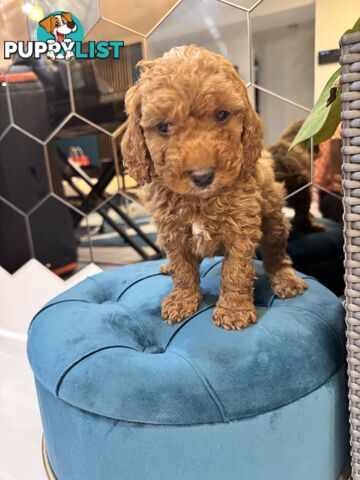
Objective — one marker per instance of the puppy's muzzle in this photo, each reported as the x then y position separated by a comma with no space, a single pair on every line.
202,178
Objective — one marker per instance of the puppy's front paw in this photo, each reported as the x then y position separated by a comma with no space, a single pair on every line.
180,304
166,269
69,55
287,284
234,319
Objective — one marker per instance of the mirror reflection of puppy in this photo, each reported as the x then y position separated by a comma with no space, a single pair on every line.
59,26
293,167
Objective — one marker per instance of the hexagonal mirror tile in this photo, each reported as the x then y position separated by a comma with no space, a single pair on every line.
4,111
246,4
99,86
294,167
122,232
283,41
15,247
23,174
143,15
277,114
56,229
282,121
39,94
211,24
87,11
82,163
328,178
329,204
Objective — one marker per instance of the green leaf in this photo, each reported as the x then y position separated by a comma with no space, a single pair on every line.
322,121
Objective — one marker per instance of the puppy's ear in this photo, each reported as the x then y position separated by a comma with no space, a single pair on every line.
252,135
133,147
145,65
67,16
48,23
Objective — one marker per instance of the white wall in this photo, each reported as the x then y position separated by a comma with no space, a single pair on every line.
285,56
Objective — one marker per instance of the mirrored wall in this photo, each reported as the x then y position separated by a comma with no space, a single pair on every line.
62,182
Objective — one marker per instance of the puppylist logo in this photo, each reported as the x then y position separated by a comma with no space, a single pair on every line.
60,35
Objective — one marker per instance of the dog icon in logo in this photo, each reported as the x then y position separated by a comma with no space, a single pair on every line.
59,26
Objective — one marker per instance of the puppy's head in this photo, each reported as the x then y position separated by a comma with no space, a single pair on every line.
59,25
190,123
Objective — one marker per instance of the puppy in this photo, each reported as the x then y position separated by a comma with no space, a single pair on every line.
293,167
59,26
194,140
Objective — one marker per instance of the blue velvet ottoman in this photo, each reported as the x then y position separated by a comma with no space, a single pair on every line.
125,396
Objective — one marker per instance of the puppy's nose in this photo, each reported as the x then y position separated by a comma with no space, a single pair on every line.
202,178
71,24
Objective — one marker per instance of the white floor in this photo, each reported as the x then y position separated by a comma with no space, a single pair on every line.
20,426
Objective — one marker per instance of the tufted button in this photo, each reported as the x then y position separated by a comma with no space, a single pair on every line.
153,349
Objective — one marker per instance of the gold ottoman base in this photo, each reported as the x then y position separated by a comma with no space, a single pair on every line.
49,471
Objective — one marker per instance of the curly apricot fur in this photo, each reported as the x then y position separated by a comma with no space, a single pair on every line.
243,205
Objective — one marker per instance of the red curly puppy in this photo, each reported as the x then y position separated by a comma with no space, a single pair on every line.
195,140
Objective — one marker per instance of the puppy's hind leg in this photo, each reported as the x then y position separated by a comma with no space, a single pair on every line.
275,228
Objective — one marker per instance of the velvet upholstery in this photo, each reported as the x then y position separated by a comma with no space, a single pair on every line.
305,440
115,380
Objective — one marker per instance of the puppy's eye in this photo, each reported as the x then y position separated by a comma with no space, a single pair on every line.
57,23
164,128
222,116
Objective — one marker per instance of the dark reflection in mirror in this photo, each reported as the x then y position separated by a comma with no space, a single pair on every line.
39,94
14,238
82,165
293,168
316,241
99,86
4,111
320,253
54,236
23,173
